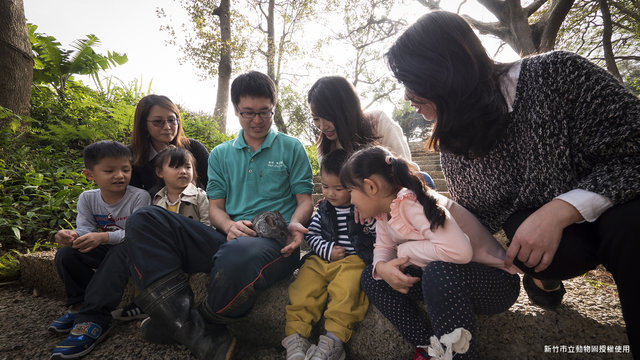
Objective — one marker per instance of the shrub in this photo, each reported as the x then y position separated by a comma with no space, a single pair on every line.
39,189
204,128
313,158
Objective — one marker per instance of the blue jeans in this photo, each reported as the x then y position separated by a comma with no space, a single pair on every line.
104,291
428,180
160,242
76,269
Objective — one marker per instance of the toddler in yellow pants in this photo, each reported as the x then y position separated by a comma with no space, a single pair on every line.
330,275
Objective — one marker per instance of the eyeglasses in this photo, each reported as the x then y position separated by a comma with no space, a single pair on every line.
159,123
251,114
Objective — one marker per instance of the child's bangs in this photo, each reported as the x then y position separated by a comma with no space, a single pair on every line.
178,158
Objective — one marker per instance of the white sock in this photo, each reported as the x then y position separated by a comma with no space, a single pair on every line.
333,337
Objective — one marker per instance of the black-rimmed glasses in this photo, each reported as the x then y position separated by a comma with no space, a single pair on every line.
252,114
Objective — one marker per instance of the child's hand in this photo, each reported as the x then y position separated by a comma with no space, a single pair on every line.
392,273
337,253
66,237
90,241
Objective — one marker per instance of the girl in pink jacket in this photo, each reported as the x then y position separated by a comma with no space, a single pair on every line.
428,248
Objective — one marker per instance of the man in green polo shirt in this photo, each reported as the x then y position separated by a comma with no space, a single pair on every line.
259,170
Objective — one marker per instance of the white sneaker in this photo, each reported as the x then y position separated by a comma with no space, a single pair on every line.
327,349
297,346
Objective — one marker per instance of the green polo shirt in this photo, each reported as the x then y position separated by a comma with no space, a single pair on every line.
267,179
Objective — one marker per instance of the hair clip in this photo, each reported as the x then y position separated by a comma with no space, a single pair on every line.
388,159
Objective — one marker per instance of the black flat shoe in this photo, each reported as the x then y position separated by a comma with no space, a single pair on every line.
545,299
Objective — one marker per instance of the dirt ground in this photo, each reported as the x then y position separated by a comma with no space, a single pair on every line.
590,315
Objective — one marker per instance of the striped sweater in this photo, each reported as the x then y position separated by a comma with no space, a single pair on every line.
573,126
323,247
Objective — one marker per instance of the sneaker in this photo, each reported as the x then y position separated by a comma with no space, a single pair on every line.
64,323
327,349
129,312
81,340
421,354
297,346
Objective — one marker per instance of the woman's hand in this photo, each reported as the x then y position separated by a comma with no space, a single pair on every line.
296,235
392,273
537,239
240,228
357,218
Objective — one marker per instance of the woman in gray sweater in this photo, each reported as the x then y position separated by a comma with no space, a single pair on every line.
546,148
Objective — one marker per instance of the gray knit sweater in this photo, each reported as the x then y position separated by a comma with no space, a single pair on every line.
573,126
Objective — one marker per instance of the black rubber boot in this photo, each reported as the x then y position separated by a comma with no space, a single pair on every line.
169,303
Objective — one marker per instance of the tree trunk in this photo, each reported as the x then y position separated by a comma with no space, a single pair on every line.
515,28
224,66
16,61
607,31
271,63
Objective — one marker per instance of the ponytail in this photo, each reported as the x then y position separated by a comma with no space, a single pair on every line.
397,172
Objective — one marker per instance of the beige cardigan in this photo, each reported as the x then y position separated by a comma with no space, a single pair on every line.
193,203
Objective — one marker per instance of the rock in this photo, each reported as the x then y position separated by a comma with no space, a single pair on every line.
588,316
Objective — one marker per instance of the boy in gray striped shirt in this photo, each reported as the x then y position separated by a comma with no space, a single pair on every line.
331,272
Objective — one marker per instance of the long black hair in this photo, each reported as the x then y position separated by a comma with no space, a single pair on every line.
441,59
140,138
333,98
397,172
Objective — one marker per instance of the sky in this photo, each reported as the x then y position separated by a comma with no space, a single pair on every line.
132,27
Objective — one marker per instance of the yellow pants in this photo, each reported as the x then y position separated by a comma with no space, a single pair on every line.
318,279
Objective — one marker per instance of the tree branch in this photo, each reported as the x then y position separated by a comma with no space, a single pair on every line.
430,4
607,31
460,6
380,96
534,6
624,10
625,58
551,23
496,7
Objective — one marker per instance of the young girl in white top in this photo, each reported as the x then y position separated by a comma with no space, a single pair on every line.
428,248
175,167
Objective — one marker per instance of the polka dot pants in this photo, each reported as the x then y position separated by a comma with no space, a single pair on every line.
454,294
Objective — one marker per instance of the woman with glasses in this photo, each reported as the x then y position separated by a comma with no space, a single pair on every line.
337,113
546,148
156,126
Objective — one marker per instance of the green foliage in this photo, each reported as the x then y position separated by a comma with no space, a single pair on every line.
313,158
82,116
9,261
204,128
412,123
295,109
39,188
200,41
55,66
582,32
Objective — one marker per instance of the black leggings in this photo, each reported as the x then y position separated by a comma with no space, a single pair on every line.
454,294
612,240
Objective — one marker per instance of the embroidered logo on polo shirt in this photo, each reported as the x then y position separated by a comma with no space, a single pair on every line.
275,164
